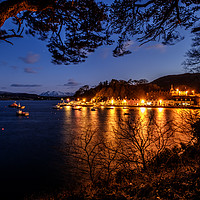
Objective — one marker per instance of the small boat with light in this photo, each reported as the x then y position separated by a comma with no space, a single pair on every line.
13,105
21,113
20,107
57,107
109,107
76,108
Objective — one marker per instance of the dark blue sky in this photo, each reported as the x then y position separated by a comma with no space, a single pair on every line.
26,66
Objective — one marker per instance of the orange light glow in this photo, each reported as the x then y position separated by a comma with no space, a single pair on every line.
142,101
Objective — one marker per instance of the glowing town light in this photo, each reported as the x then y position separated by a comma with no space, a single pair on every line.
124,101
160,101
142,101
68,100
84,100
192,91
186,92
112,101
160,109
78,99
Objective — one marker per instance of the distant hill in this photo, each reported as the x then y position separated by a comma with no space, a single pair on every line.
23,96
9,95
132,89
56,94
183,81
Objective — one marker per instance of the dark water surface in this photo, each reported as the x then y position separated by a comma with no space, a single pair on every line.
30,162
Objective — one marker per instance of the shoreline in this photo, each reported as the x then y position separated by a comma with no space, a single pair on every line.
134,106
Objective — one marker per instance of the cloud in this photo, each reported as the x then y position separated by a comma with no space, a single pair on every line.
71,83
129,43
105,53
160,47
14,67
30,58
29,70
24,85
3,63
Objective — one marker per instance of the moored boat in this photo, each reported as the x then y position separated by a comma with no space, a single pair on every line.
20,107
76,108
109,107
57,107
13,105
21,113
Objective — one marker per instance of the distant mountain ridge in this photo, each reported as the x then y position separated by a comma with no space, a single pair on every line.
56,94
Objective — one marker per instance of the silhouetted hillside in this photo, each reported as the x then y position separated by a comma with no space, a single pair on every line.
183,81
132,89
117,89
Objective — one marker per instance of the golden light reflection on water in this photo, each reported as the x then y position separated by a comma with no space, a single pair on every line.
142,111
105,120
160,115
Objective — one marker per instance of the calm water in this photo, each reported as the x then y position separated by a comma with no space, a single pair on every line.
30,160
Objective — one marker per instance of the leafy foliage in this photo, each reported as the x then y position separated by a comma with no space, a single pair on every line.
73,29
192,62
76,28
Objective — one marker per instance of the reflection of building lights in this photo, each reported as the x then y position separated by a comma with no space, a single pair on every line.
160,109
142,109
149,103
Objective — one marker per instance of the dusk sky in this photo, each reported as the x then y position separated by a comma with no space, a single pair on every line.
26,66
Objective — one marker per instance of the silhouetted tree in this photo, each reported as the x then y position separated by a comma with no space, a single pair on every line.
73,29
192,62
151,20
